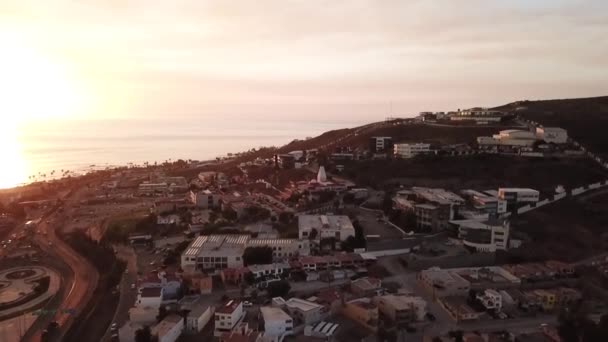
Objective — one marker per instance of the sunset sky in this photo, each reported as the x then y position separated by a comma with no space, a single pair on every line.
119,58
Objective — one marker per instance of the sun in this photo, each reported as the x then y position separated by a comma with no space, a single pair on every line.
34,86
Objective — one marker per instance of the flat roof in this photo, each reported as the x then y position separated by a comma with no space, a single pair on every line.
438,195
164,326
301,304
403,302
274,314
338,222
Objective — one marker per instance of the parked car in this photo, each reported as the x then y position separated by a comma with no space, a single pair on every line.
247,304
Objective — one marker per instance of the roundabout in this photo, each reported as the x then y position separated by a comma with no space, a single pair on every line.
23,289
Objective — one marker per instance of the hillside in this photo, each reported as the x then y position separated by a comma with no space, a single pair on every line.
586,119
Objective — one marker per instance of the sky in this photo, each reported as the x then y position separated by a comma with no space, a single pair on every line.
313,59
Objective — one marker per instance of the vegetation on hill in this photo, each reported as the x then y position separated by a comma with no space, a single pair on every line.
476,171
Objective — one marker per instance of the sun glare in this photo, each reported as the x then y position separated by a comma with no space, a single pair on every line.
35,89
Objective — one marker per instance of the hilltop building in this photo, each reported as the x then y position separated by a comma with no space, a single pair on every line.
327,226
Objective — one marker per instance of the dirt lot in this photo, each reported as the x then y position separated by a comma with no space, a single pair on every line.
477,172
569,230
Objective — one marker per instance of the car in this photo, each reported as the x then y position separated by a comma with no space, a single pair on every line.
132,286
247,304
114,326
430,317
152,263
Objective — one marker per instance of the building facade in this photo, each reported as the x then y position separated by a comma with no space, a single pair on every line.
227,317
326,226
277,323
406,150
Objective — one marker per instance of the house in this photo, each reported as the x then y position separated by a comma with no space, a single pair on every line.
271,270
168,219
490,299
338,227
443,282
227,317
233,276
458,309
150,297
198,317
201,282
277,323
363,311
303,311
169,282
205,199
402,308
169,329
366,287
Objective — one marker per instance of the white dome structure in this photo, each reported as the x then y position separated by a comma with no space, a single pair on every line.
321,176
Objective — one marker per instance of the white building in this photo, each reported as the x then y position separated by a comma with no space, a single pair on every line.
402,309
150,297
303,311
277,323
478,111
217,252
327,226
198,317
490,299
405,150
484,236
147,188
380,144
168,219
170,283
322,175
554,135
205,199
518,195
227,317
169,329
275,270
509,137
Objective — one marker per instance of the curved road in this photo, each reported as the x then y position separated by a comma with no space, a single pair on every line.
79,292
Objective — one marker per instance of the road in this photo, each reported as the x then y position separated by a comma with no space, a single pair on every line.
85,277
128,296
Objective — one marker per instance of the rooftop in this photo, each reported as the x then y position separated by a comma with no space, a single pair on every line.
274,314
440,196
228,308
298,304
164,326
403,302
367,283
151,292
338,222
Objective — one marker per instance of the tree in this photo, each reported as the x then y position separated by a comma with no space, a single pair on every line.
278,288
313,234
257,255
162,313
229,214
143,335
285,217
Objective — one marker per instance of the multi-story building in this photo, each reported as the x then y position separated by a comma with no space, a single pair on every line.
147,188
217,252
205,199
553,135
200,313
401,309
169,329
406,150
270,270
485,202
277,323
326,226
380,144
169,282
434,208
484,236
303,311
518,195
227,317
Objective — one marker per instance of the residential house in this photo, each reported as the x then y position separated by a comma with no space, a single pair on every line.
169,329
227,317
277,323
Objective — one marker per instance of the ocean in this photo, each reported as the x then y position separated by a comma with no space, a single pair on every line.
79,146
